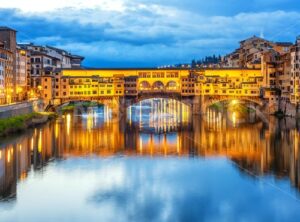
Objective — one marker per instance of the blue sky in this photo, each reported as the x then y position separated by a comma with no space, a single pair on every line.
144,33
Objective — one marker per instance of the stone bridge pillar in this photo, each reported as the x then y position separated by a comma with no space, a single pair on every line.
197,105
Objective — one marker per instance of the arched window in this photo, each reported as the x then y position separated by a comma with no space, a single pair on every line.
144,85
158,85
172,85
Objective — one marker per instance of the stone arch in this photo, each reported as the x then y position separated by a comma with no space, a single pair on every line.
171,86
158,85
250,103
145,85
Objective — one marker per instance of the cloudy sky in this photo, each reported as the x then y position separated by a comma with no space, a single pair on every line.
140,33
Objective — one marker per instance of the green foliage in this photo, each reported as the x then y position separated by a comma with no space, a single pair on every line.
217,106
68,108
18,123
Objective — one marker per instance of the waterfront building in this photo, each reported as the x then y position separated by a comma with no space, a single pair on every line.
45,60
229,82
6,75
22,73
8,55
95,84
2,84
295,72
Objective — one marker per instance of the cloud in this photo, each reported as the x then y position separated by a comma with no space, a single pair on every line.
143,33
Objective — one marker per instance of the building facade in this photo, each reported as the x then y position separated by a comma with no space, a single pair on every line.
6,75
295,72
8,57
96,84
23,68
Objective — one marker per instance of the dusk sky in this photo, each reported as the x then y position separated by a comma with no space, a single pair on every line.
140,33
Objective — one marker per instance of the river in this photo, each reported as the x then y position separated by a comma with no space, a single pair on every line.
158,163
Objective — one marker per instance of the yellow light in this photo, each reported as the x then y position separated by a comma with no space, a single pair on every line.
68,123
234,119
141,145
31,143
40,142
234,102
8,156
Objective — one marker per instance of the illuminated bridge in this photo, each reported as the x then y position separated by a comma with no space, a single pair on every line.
120,88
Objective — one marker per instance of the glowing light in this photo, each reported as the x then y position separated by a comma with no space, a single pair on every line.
234,119
40,142
32,143
234,102
56,130
68,123
141,145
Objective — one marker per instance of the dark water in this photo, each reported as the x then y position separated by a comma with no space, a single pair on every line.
160,163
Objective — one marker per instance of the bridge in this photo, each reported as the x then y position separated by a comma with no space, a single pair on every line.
120,88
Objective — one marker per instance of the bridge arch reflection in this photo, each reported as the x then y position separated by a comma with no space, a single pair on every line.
159,114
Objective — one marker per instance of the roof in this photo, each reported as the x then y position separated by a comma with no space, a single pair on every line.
5,28
284,43
252,38
76,56
43,54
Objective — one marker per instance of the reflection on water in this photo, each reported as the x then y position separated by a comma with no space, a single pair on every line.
49,155
159,115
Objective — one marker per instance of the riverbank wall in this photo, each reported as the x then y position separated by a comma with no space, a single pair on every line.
23,108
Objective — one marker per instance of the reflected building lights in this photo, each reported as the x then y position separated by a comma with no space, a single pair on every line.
40,142
234,119
68,125
161,128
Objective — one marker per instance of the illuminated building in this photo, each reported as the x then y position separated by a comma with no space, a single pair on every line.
295,72
6,75
2,74
8,57
229,82
45,60
22,73
114,85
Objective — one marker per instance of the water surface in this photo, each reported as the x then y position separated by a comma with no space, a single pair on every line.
159,163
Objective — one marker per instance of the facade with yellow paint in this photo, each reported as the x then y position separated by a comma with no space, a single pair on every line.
94,84
229,82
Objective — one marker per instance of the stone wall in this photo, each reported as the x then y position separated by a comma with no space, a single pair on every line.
12,110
